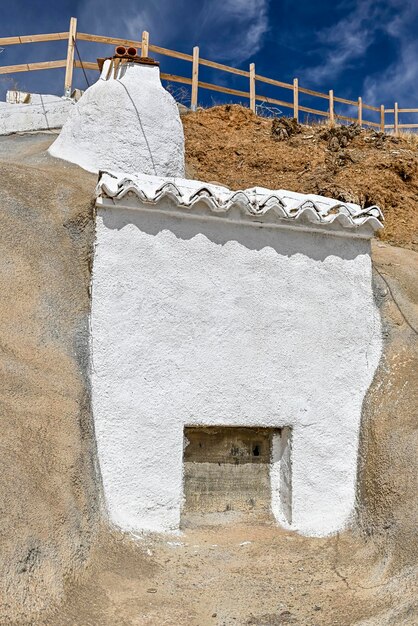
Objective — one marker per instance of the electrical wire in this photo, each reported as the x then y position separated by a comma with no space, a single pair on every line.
81,62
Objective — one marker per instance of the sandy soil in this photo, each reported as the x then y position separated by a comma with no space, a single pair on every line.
238,574
244,573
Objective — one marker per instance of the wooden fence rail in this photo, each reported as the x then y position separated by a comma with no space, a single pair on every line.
254,79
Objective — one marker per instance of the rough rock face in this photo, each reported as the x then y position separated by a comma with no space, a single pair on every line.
388,477
125,121
48,485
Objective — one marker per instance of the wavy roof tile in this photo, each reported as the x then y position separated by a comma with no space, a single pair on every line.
257,204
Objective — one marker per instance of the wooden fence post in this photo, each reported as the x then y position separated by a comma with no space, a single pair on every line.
331,108
68,81
396,123
296,99
252,87
360,112
145,43
195,78
382,118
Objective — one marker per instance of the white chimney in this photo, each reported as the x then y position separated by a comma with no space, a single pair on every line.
125,121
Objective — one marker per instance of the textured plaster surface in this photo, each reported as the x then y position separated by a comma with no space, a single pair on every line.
128,122
209,322
42,113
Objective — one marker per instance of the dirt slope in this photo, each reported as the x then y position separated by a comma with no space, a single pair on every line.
232,146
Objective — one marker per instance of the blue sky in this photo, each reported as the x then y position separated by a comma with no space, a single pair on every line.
356,47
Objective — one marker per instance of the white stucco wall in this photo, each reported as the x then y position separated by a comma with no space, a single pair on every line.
201,320
126,121
42,113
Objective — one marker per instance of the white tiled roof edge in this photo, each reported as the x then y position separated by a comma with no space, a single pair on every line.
260,204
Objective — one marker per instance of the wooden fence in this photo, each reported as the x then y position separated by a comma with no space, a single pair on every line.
254,79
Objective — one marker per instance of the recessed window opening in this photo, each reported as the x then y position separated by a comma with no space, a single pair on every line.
227,469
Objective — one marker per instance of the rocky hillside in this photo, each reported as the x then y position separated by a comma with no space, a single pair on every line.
57,556
232,146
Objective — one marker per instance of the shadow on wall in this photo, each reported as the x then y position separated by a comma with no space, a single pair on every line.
284,240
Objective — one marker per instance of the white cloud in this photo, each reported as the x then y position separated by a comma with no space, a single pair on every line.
348,42
235,28
399,81
126,19
230,30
